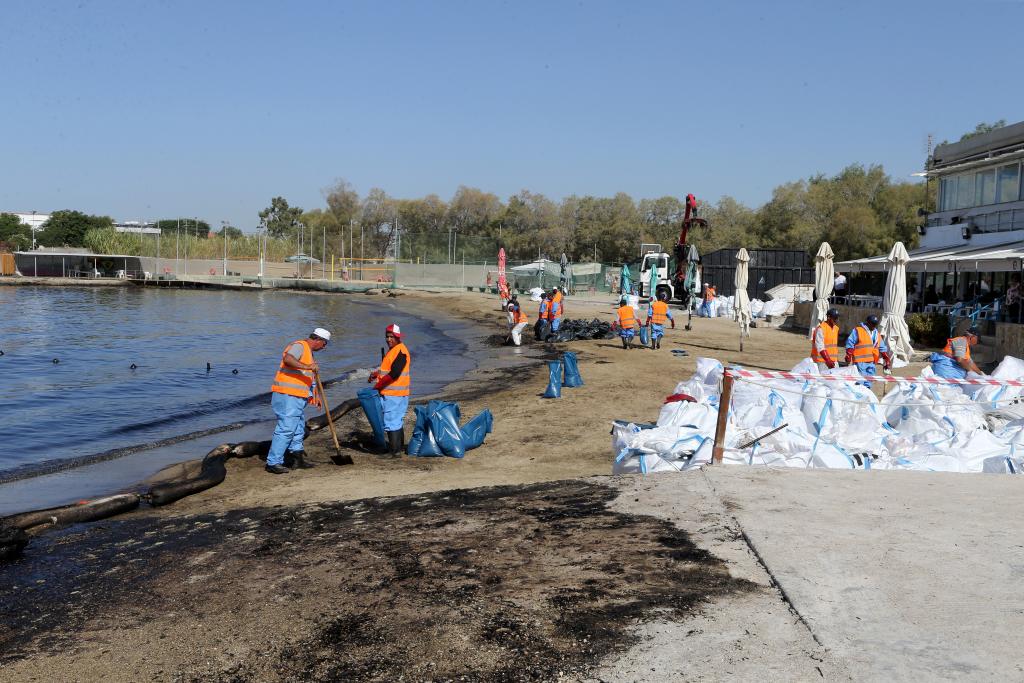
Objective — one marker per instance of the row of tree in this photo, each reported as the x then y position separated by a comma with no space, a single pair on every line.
861,211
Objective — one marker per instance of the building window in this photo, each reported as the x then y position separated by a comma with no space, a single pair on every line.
948,191
985,187
965,191
1008,183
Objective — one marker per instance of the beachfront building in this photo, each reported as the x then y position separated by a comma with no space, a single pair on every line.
972,246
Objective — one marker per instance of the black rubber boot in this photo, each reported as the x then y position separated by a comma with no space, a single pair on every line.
625,344
394,446
298,460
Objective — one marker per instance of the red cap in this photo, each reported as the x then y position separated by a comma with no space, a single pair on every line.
394,329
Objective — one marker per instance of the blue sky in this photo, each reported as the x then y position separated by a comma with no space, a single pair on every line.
153,109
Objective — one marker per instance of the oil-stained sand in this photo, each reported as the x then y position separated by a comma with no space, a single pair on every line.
500,583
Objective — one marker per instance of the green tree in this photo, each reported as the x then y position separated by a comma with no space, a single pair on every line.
186,226
473,211
13,232
67,228
280,219
983,128
377,219
231,231
342,202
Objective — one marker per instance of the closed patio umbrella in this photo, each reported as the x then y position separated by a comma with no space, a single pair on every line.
824,280
691,283
502,280
741,300
624,280
893,326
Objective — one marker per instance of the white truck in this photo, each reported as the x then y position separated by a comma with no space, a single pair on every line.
652,257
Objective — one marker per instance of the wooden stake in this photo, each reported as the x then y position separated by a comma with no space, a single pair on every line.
723,417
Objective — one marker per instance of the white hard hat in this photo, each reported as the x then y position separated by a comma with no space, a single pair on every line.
322,333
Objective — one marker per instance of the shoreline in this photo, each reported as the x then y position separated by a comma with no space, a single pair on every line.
52,470
515,561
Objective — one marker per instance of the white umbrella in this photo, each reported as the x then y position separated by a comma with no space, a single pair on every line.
894,326
741,302
824,280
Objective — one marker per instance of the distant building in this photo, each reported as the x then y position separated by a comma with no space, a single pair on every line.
139,227
32,219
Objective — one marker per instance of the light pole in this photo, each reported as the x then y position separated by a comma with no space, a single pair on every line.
224,229
32,228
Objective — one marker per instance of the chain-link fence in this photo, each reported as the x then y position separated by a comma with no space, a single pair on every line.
446,247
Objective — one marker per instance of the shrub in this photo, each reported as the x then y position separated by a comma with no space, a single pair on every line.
928,329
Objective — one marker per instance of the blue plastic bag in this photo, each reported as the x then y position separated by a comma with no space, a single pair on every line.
423,442
444,426
437,430
476,430
369,399
572,371
554,389
645,335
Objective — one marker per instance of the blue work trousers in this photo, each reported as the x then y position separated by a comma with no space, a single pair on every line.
944,366
394,408
657,331
555,324
291,426
868,370
627,333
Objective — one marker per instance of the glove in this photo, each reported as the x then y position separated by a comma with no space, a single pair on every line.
673,321
849,356
887,361
829,363
382,382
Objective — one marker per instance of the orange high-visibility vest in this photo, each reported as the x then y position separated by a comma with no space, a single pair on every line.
558,300
866,351
545,305
831,335
520,315
627,317
296,382
659,310
400,387
709,294
949,348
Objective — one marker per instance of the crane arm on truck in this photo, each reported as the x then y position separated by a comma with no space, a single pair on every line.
682,247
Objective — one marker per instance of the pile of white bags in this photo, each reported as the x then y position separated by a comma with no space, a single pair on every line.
834,424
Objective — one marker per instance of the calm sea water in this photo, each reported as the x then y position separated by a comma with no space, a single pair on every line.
91,401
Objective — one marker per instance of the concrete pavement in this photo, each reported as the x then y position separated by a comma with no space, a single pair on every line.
897,575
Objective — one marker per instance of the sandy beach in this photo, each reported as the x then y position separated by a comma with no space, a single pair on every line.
523,561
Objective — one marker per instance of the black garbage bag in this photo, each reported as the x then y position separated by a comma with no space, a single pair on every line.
540,330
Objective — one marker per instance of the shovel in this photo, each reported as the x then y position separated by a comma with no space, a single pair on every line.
339,458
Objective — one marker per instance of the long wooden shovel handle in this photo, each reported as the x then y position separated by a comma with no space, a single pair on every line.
327,409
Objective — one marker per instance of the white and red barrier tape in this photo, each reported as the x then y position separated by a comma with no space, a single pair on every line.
801,376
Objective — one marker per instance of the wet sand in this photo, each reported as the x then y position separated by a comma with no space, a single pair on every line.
314,576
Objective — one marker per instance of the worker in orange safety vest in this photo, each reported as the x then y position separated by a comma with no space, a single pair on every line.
627,323
393,381
293,389
865,347
657,314
825,341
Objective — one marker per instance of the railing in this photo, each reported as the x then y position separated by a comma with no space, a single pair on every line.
972,310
